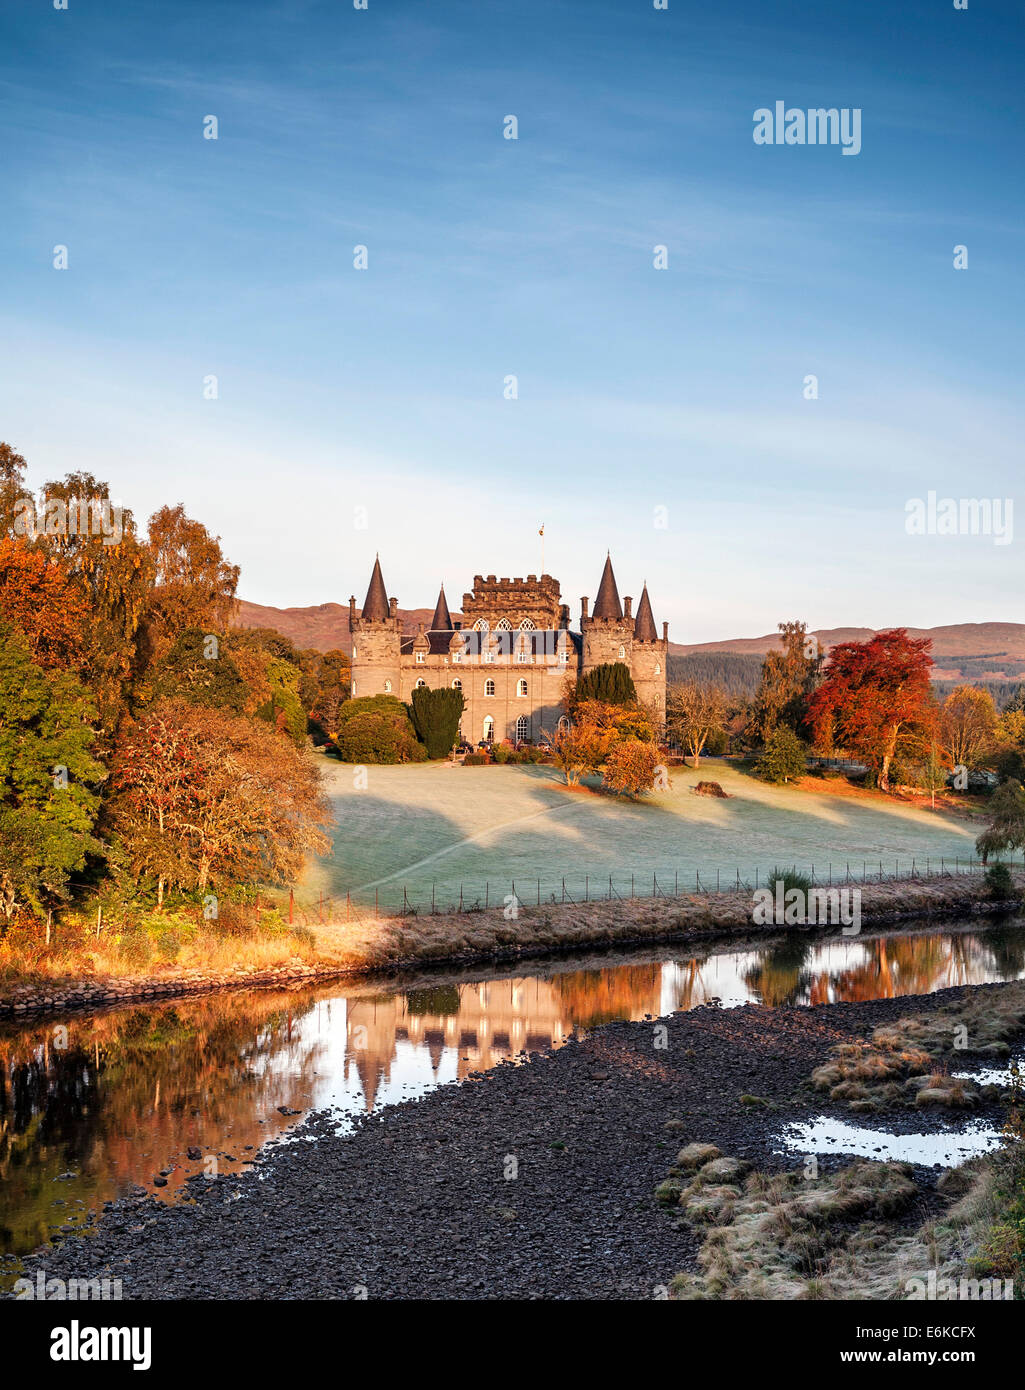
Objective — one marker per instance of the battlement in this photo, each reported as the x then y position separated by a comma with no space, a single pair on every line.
533,598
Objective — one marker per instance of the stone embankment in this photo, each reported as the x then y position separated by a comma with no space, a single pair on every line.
365,946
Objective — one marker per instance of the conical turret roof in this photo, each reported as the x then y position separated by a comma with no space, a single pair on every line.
644,624
375,605
607,604
442,620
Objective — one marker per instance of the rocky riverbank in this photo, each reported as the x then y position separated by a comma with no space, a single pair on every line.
365,946
532,1181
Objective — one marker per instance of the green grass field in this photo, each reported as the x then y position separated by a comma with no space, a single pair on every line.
447,826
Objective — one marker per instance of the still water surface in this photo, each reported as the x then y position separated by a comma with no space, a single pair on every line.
92,1105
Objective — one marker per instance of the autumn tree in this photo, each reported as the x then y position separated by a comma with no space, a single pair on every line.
876,701
332,672
49,780
12,486
40,597
243,804
193,584
96,541
632,768
967,725
788,678
693,714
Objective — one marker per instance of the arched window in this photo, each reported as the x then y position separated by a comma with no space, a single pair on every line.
354,653
353,687
521,687
503,625
528,625
457,684
387,687
489,687
622,653
420,684
658,669
481,625
522,729
489,727
564,724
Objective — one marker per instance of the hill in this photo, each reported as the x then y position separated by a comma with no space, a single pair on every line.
324,628
988,652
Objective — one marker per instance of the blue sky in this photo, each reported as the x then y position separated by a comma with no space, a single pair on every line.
639,389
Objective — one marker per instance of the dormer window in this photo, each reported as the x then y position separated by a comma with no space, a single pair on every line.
420,657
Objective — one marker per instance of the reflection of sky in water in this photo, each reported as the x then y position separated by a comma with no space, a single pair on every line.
828,1136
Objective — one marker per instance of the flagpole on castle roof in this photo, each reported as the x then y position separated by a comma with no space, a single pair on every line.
541,533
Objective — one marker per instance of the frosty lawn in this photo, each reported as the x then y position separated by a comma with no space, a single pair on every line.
445,826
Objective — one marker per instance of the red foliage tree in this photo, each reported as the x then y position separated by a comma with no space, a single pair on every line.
876,700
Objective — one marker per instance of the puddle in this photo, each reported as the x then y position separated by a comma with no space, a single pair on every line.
939,1150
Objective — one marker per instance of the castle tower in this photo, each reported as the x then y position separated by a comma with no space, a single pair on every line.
376,640
442,620
608,633
650,653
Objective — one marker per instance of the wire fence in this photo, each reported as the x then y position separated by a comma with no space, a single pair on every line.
421,899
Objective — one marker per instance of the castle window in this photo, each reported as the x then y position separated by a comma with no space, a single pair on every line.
481,625
658,669
387,687
489,728
528,625
457,684
522,728
489,656
622,653
456,658
521,687
564,724
354,653
420,684
420,657
503,625
353,688
489,687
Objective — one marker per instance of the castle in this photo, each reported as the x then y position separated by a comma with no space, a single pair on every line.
511,653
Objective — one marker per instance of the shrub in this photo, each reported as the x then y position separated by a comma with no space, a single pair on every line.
376,729
999,883
790,878
611,683
502,753
783,756
476,760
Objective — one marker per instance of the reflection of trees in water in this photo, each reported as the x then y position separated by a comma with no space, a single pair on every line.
593,997
133,1087
779,975
1005,943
